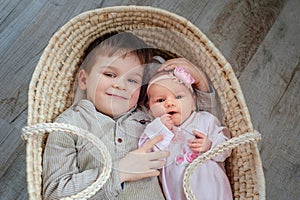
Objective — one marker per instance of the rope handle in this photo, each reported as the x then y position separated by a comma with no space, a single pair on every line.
42,128
249,137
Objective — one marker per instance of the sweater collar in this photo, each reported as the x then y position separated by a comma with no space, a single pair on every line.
87,104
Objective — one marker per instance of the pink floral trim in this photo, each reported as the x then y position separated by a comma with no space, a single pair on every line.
179,159
183,75
190,156
186,158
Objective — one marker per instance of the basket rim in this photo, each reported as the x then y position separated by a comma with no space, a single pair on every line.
176,21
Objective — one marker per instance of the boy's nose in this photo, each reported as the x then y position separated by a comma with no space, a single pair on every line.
119,84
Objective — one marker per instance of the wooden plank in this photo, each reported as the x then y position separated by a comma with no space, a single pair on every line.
13,184
9,142
21,15
238,28
271,84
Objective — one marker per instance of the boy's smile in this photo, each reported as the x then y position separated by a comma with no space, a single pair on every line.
113,84
117,96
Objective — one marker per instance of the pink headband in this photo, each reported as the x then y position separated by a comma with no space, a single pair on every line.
180,74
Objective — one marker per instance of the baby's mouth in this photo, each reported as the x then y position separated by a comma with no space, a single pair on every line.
172,113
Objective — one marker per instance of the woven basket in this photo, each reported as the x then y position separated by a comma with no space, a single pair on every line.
52,85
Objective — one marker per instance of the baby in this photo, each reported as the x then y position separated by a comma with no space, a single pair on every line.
172,104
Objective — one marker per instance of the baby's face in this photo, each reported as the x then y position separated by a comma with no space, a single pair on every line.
169,97
113,84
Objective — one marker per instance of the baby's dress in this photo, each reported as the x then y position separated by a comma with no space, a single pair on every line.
209,180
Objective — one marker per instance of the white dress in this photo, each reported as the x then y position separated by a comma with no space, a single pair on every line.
209,181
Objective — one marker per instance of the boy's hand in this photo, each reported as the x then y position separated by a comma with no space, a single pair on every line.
200,144
139,164
201,82
167,121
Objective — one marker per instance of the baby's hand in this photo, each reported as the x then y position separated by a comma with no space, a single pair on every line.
167,121
201,82
200,144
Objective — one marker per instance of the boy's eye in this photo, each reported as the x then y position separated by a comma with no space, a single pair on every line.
179,97
111,75
132,81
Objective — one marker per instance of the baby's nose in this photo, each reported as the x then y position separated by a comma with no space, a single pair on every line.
170,102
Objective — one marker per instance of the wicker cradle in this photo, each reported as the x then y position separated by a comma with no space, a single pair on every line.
52,85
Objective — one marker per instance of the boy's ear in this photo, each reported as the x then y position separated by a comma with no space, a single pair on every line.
82,79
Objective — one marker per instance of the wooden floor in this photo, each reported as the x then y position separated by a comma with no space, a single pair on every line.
260,38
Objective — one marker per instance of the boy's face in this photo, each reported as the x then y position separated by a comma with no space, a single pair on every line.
113,84
169,97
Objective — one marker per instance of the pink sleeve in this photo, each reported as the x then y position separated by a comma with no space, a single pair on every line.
218,134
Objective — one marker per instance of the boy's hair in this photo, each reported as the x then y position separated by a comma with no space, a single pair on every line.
112,43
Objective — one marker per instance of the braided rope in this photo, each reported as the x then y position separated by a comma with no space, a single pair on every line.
249,137
41,129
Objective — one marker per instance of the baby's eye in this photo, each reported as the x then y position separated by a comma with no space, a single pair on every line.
160,100
111,75
179,97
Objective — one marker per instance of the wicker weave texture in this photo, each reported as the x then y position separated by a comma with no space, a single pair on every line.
52,86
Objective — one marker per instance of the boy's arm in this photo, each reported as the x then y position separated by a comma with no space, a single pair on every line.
62,176
205,101
68,168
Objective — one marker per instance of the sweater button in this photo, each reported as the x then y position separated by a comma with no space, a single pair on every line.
120,140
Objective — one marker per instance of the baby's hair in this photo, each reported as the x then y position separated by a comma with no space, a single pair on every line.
118,42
